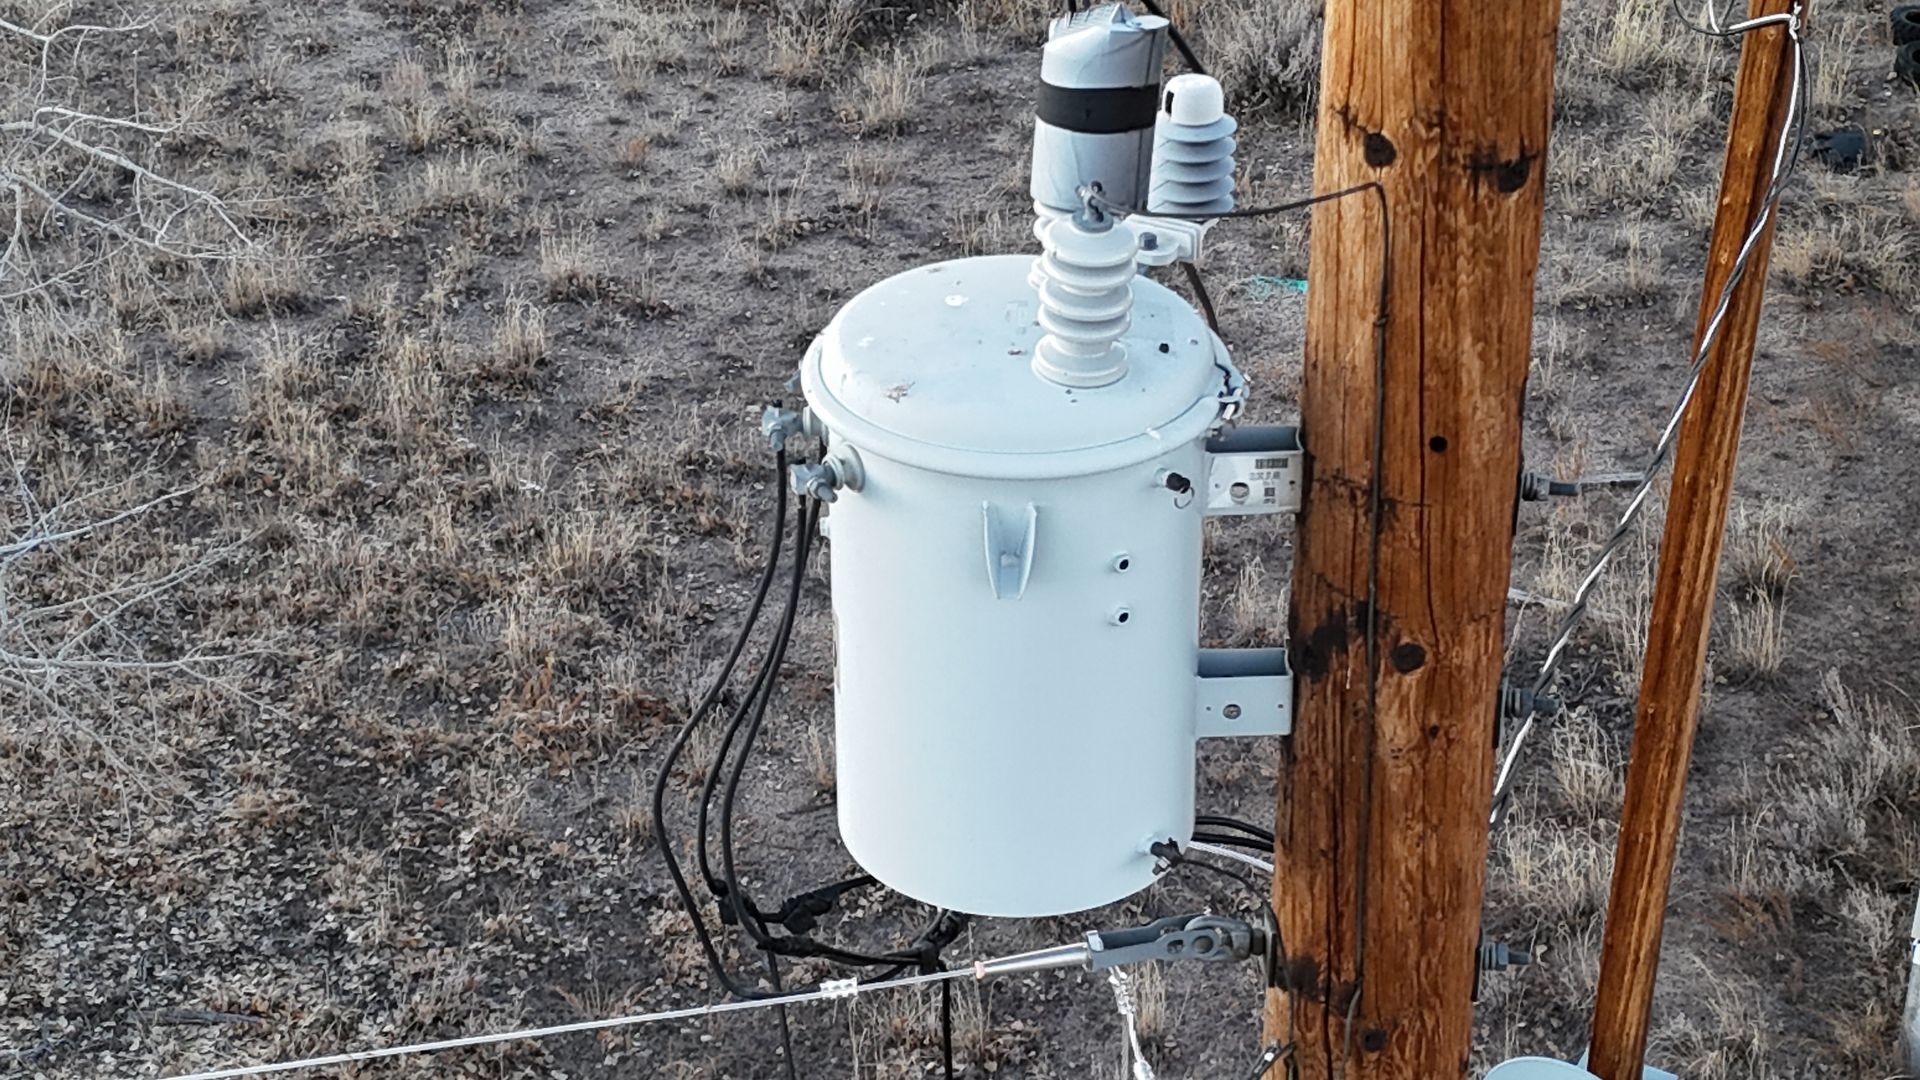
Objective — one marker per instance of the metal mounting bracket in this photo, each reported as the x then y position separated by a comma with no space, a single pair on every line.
1256,469
1164,241
1243,692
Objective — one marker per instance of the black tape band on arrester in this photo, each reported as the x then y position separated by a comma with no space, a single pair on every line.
1105,111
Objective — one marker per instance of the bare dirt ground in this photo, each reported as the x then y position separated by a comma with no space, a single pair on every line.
446,493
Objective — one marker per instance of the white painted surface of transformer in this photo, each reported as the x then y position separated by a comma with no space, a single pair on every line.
1015,589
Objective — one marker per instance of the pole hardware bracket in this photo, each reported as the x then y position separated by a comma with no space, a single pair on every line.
1210,938
1538,487
1243,692
1255,469
1518,703
1165,241
1499,956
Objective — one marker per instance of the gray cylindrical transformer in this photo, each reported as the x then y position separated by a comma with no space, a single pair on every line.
1099,95
1016,584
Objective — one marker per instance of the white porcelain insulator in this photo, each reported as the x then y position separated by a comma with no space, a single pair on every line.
1193,149
1085,280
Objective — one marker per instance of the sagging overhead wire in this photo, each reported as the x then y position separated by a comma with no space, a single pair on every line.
1786,157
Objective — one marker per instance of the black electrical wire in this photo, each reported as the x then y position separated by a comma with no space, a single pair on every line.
1200,294
946,1026
1101,202
1170,851
1245,843
753,711
1219,821
944,928
679,745
806,517
1179,39
786,1026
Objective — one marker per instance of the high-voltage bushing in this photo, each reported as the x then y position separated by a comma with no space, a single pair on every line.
1099,95
1085,280
1193,145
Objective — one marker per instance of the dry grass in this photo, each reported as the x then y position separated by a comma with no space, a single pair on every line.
414,116
1759,553
736,168
1266,55
979,230
520,339
476,506
1756,637
818,747
883,95
871,171
810,37
570,267
263,284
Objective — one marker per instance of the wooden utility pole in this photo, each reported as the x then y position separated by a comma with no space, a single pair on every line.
1690,562
1399,601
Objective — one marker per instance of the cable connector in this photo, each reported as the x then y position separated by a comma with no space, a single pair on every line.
1517,703
780,425
1499,956
1538,487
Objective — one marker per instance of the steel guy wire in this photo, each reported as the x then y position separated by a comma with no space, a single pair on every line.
833,990
1785,157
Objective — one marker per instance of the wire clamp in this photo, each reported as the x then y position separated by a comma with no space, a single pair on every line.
840,989
1210,938
1164,241
780,425
1517,703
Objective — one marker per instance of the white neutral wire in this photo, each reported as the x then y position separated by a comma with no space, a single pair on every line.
828,991
1259,864
1709,337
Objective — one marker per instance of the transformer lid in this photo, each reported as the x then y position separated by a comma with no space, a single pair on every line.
940,358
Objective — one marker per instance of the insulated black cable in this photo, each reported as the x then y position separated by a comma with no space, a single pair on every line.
711,697
750,917
786,1026
679,744
1120,210
752,710
1179,39
1200,294
1218,821
1170,851
946,1026
1246,843
1270,1057
806,516
761,688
